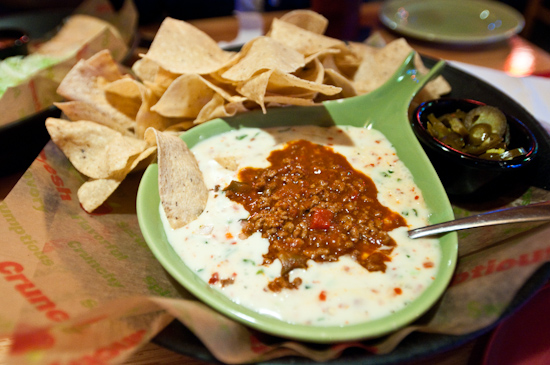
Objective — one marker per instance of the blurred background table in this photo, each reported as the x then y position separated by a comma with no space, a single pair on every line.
516,56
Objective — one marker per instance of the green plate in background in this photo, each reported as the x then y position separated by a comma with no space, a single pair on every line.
464,22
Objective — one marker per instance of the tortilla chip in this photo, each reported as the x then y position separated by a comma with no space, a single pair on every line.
378,64
290,85
282,84
141,161
273,100
96,151
261,54
328,62
181,48
302,40
86,80
227,162
227,91
218,108
79,110
125,95
147,118
182,190
255,88
145,69
306,19
347,62
162,81
336,79
185,97
93,193
312,71
178,128
322,54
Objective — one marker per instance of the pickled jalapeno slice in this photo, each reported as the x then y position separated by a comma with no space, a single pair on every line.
483,132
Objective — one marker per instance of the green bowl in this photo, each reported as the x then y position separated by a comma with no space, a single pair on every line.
385,110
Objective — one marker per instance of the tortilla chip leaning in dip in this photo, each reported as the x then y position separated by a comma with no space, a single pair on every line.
183,193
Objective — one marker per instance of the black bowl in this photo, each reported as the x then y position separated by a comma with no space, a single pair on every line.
462,173
13,42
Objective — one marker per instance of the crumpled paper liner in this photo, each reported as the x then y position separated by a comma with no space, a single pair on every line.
81,287
110,30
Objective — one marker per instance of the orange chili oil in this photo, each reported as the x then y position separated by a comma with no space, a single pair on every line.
311,204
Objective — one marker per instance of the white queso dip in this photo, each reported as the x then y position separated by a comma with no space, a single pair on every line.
309,224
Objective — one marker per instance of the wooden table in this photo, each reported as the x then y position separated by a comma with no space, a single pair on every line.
499,56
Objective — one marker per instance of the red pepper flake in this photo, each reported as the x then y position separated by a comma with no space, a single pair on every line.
323,296
428,264
214,279
228,235
416,197
398,291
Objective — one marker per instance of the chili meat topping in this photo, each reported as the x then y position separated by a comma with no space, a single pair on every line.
311,204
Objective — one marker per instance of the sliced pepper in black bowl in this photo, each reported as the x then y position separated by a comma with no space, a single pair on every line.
472,144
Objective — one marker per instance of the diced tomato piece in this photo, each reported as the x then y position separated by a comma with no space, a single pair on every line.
214,279
321,219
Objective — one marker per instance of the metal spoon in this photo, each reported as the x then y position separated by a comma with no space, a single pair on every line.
527,213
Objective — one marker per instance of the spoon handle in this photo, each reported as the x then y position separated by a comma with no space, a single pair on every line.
527,213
